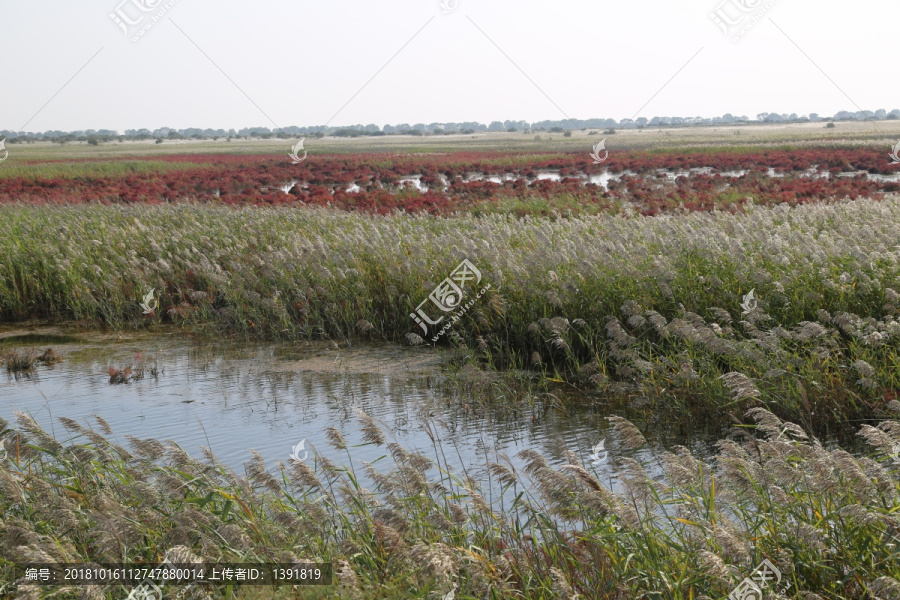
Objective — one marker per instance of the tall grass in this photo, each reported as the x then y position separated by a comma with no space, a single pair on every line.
644,306
826,519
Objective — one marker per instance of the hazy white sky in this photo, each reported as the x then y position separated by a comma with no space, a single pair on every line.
224,63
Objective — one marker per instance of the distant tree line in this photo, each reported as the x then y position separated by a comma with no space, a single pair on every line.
163,134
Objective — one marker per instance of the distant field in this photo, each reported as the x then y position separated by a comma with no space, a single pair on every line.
95,168
882,133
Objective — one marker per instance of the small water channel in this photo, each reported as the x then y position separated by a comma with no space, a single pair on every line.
270,397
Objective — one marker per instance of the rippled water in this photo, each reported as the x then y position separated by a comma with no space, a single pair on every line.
269,397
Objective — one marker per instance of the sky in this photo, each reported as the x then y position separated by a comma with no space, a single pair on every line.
275,63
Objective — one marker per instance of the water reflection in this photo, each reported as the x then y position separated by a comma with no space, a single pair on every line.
270,397
603,178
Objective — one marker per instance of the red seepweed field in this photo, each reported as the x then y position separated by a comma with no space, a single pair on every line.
442,183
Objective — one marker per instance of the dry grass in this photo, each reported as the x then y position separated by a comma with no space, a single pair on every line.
825,518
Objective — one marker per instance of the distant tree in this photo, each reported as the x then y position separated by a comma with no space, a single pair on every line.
830,126
568,133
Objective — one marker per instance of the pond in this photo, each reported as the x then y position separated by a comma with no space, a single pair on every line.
271,397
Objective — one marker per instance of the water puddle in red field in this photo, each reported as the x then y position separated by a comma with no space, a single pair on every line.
601,179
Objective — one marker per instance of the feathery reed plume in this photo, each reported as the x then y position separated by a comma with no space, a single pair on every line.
40,436
181,555
149,449
258,474
628,435
104,426
766,422
459,515
347,580
371,432
71,425
336,438
302,476
436,560
584,476
505,476
740,386
534,461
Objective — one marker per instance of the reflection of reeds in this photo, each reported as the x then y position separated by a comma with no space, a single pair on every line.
133,372
23,361
423,529
19,361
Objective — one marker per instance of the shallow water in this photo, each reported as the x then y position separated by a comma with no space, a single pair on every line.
603,178
271,397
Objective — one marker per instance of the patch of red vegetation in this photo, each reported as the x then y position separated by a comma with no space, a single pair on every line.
323,180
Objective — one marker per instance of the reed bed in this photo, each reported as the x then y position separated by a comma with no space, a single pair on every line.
649,307
825,518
